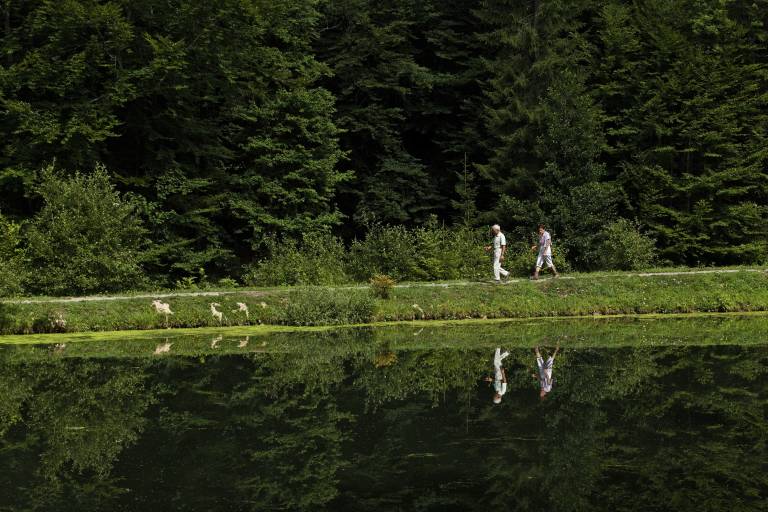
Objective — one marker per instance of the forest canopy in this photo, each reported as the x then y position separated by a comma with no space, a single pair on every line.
226,125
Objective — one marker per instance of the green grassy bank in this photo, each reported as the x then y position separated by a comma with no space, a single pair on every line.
582,295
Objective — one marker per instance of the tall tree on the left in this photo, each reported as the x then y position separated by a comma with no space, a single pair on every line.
209,110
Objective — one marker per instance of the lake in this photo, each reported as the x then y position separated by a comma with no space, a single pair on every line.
643,414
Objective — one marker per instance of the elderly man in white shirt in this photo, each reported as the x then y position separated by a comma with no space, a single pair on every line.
499,247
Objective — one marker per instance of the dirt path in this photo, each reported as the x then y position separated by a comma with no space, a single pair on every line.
257,293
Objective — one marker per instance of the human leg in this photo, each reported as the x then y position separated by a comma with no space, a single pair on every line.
497,270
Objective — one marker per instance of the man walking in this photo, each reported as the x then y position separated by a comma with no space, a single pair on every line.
545,252
499,247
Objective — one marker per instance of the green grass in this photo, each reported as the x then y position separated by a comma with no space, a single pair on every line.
584,295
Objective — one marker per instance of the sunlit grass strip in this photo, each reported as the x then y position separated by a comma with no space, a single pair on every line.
607,295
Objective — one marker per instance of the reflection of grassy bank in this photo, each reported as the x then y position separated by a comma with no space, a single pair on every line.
615,294
698,330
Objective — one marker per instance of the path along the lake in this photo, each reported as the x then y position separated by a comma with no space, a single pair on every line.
361,286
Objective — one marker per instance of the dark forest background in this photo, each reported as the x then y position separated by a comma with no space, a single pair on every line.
217,128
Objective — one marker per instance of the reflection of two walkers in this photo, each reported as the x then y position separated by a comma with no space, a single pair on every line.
543,365
499,247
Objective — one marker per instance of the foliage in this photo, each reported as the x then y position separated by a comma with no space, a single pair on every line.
238,123
624,247
381,286
210,112
426,252
86,238
11,258
316,259
326,306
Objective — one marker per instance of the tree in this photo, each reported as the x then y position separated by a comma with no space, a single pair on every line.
684,88
210,111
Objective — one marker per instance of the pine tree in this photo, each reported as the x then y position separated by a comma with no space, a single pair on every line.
685,87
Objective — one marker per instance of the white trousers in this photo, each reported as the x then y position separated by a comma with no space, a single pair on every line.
544,258
497,270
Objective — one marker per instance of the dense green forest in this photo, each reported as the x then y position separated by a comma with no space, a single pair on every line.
149,140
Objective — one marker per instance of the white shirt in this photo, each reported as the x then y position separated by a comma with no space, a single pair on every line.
545,244
499,241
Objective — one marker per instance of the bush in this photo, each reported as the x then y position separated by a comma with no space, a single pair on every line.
427,252
11,258
389,250
85,239
381,286
324,306
624,247
318,260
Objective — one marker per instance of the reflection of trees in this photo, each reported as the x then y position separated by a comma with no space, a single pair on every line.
642,428
262,432
65,422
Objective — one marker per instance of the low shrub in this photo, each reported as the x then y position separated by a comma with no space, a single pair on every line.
389,250
381,286
315,259
325,306
624,247
429,252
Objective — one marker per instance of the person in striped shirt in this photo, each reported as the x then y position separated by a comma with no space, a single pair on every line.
545,253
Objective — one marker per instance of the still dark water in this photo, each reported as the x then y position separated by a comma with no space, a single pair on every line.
668,427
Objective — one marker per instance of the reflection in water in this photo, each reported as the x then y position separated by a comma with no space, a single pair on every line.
545,371
650,428
499,376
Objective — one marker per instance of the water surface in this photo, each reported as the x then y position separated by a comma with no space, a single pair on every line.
643,415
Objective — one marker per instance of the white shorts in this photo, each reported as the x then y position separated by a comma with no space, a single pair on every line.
544,258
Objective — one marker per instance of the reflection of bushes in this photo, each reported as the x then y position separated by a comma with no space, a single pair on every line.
385,359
